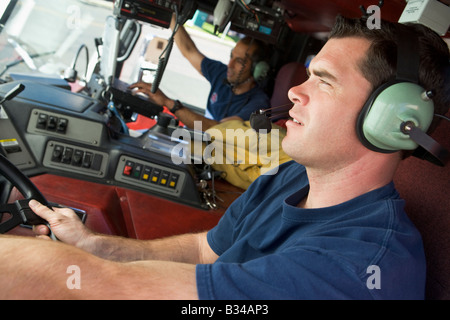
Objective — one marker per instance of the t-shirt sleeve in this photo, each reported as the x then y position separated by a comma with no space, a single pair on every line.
221,237
287,275
212,70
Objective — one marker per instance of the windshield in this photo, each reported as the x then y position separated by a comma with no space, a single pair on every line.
43,37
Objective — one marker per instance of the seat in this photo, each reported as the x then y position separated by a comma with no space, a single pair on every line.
290,75
426,190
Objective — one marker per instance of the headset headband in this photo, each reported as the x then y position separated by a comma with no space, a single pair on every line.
408,59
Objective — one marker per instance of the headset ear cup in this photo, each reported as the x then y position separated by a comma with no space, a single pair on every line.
260,70
380,121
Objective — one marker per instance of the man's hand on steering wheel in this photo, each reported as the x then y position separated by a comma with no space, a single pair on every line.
64,223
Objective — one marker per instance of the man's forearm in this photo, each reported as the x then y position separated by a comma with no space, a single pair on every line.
187,47
189,117
183,40
186,248
39,269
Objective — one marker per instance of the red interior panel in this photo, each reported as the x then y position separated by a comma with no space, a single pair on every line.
120,211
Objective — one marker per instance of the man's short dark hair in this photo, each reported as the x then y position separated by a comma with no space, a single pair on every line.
380,64
260,52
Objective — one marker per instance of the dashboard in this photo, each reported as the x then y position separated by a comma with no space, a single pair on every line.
46,129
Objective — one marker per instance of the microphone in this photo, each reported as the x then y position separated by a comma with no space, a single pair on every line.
70,74
262,119
221,14
12,93
226,82
233,85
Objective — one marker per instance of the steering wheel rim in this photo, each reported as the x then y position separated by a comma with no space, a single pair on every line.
20,181
27,189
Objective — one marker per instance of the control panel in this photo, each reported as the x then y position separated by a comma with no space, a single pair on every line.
62,137
150,176
157,12
260,21
65,126
75,159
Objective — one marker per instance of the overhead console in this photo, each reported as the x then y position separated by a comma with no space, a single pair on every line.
260,19
156,12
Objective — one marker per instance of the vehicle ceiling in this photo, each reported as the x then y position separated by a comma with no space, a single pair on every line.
317,16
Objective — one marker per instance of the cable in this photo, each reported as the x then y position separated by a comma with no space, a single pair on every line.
249,10
165,54
70,74
442,116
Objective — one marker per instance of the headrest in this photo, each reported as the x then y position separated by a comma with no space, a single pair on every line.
290,75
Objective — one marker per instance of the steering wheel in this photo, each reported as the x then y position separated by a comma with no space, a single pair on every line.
19,210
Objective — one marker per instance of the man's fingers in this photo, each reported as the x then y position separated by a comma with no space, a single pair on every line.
41,210
141,86
43,237
41,230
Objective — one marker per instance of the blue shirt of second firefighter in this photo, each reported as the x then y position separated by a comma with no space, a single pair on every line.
222,102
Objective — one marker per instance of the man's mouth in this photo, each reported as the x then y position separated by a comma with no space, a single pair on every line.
296,121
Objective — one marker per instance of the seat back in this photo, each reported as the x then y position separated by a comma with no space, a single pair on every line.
290,75
426,190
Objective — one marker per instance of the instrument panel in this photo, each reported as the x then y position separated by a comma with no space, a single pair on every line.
150,176
75,159
156,12
65,126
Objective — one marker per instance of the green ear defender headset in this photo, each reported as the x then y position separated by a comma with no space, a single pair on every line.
260,67
388,108
260,70
398,113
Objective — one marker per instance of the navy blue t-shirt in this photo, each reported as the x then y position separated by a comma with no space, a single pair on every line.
222,102
365,248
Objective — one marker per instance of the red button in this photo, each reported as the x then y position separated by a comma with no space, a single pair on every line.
127,170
